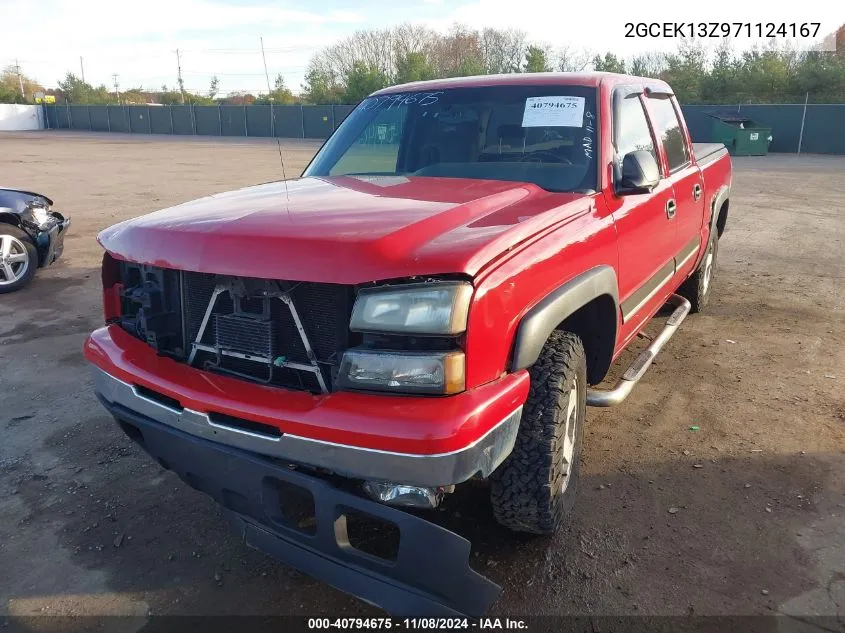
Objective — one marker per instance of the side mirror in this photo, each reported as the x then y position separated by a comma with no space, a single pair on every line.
640,173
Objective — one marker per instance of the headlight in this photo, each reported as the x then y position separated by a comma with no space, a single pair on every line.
403,372
40,214
427,308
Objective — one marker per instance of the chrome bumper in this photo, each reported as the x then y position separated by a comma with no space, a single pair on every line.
481,457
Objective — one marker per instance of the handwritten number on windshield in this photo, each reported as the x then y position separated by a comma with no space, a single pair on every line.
590,128
387,102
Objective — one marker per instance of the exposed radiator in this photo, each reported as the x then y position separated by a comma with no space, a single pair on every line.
247,328
248,335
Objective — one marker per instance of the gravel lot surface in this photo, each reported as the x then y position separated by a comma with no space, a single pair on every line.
743,515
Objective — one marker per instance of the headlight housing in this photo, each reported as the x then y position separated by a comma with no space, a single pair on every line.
411,339
434,308
41,215
440,373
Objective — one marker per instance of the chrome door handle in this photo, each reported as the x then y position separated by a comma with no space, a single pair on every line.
671,207
696,192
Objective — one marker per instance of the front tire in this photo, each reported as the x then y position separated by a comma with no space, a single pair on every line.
18,258
535,487
697,288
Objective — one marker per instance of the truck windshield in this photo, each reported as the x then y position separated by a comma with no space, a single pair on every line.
546,135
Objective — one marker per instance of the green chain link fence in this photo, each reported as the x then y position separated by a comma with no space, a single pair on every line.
796,128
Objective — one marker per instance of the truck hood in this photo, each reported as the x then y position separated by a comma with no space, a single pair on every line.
344,229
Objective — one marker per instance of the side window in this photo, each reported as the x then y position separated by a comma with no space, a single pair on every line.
377,146
668,128
632,131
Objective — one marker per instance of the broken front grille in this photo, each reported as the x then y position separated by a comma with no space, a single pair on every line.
290,334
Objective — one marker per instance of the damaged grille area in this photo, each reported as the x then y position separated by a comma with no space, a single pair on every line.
248,335
276,332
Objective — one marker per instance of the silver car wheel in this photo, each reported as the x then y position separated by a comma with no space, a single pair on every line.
14,259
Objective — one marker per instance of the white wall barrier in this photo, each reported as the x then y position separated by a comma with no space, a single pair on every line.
14,117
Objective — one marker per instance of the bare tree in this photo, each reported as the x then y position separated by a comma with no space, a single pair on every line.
502,51
463,50
369,47
573,60
458,52
414,38
379,49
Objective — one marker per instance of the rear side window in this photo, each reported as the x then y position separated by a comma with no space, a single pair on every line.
668,128
632,131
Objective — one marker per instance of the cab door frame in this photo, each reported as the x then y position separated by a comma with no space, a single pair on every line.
646,233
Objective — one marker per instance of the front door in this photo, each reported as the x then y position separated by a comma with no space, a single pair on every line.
645,223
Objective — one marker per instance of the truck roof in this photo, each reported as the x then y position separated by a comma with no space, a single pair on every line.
592,79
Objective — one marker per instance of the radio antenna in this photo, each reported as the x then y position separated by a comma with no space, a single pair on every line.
273,123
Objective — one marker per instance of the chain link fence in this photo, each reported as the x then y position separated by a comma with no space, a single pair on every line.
815,128
305,121
796,128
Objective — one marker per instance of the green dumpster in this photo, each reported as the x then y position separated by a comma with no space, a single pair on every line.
741,135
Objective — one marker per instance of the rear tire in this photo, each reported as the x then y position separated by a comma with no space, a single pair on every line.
698,287
18,258
535,487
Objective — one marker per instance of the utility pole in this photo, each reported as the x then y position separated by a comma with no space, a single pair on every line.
181,83
82,69
116,89
20,77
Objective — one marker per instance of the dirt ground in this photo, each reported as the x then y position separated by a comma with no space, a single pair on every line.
739,428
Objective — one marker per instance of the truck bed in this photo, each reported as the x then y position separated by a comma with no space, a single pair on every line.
707,152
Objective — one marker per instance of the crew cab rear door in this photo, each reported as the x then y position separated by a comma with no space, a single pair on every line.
684,176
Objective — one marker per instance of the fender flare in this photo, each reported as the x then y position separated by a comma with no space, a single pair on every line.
541,320
722,194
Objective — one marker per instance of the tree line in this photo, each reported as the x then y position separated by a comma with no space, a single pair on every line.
760,75
74,90
367,60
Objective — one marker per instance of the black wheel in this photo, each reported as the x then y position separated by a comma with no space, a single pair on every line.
697,288
18,258
535,487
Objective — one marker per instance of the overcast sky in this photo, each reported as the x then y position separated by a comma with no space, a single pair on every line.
138,39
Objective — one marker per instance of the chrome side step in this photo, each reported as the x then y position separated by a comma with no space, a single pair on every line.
625,385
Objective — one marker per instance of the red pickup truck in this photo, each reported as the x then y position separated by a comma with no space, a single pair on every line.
435,300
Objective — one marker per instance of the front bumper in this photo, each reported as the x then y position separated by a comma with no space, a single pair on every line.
421,441
480,457
430,575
